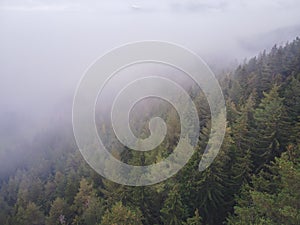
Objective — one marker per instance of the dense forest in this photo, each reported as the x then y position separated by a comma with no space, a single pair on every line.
255,179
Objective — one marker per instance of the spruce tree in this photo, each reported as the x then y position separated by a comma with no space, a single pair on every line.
268,128
120,214
173,211
60,213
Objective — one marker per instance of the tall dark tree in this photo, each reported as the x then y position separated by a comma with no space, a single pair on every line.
173,211
268,127
292,104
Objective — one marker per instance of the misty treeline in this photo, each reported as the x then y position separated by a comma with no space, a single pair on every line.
255,178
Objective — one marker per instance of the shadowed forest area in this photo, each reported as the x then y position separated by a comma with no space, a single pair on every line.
255,178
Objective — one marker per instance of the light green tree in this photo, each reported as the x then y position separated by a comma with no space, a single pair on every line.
121,215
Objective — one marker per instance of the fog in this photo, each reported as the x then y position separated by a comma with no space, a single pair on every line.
46,45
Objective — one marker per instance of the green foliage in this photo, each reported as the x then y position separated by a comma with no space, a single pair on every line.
195,220
87,205
31,214
268,128
121,215
292,103
59,213
173,211
276,203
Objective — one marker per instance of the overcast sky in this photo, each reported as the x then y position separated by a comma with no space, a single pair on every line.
46,45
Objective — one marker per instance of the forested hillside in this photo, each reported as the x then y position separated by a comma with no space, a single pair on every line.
255,178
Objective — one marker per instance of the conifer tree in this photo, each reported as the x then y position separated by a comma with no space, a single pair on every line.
173,211
268,127
60,213
292,104
243,140
120,214
87,205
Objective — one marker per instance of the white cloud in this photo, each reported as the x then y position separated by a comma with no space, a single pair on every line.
40,8
38,5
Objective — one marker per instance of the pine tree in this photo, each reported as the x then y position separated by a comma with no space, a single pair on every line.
94,212
71,181
173,211
292,104
87,205
120,214
268,122
265,78
210,190
113,192
243,140
60,213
